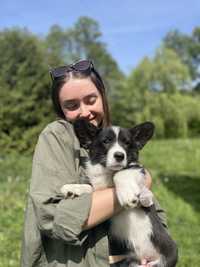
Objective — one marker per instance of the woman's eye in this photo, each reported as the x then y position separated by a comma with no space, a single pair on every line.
92,100
71,105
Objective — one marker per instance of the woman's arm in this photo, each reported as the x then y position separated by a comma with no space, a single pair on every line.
104,206
56,163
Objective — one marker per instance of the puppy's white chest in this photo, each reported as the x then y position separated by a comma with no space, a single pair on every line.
99,176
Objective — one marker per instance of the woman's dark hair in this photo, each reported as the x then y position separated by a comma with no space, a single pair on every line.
94,76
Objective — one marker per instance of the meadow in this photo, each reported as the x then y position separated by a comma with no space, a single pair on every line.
174,165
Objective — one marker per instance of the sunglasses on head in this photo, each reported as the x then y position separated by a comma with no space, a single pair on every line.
79,66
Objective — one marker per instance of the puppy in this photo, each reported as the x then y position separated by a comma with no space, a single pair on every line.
113,161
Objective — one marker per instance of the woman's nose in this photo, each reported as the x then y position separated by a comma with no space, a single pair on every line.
84,111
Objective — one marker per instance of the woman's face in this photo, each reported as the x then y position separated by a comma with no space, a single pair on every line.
79,98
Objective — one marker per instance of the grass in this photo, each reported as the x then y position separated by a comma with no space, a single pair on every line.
174,165
14,174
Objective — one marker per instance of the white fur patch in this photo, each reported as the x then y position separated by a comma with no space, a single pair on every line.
100,177
134,225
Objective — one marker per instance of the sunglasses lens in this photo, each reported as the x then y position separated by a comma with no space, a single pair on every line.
82,65
58,72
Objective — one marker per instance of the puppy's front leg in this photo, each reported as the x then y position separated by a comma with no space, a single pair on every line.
127,184
74,190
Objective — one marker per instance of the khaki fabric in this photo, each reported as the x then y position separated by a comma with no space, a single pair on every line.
53,235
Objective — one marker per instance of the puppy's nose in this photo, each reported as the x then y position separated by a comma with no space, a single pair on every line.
119,156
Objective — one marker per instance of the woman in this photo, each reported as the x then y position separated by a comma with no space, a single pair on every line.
69,232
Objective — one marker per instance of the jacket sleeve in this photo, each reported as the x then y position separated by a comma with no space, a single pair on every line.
161,213
54,165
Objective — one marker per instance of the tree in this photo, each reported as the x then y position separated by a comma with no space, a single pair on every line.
55,43
24,89
188,49
163,73
169,73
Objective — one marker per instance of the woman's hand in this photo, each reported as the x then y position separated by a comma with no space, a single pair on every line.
143,263
148,180
146,263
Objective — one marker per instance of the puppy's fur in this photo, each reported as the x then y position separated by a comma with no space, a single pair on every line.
113,161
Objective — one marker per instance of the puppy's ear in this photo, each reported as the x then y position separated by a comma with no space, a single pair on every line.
142,133
85,131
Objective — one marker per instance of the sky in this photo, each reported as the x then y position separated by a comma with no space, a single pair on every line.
131,29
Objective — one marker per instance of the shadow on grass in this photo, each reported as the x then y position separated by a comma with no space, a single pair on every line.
186,187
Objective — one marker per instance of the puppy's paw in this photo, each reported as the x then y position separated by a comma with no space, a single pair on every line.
75,190
146,197
127,198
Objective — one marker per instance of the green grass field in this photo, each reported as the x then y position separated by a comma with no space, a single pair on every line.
174,165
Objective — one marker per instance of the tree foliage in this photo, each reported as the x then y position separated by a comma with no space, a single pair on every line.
24,89
157,90
163,73
188,49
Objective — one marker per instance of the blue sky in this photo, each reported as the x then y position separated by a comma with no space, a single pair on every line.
131,29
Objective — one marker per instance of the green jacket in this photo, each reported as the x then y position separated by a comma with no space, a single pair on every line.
53,233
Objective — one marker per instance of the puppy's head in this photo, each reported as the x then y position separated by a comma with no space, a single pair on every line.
113,147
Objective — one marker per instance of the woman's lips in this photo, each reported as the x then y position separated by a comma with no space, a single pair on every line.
93,118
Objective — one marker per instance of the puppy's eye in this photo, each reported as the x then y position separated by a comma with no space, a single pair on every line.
126,142
107,140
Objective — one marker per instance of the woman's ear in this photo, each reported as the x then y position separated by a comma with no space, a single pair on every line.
85,131
142,133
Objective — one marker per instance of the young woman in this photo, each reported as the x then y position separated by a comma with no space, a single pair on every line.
70,232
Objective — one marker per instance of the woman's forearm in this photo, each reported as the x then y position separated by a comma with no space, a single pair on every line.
104,206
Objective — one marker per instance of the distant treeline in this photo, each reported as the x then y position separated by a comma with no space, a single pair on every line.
164,89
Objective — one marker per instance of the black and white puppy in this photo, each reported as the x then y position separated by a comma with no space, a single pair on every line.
113,161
